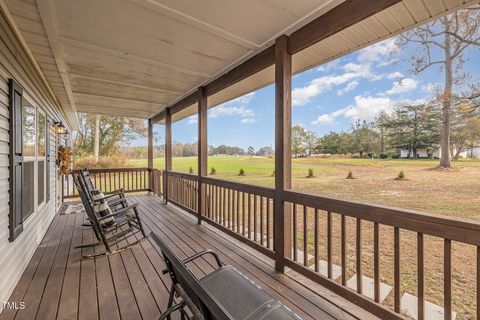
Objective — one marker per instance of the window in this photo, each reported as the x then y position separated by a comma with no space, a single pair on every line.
29,152
41,159
34,179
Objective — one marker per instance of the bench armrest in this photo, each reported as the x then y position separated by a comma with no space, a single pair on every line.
172,309
202,253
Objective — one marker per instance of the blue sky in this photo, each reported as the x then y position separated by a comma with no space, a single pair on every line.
325,98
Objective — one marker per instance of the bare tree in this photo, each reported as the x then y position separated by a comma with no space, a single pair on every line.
96,137
443,43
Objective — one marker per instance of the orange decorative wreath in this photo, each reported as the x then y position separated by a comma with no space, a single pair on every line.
65,159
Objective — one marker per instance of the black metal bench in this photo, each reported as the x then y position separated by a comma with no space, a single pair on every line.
222,294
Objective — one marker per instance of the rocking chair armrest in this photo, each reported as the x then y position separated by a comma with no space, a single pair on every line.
119,192
116,202
118,212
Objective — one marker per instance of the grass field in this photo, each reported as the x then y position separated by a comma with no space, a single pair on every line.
455,193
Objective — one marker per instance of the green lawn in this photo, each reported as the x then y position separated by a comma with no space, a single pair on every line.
453,192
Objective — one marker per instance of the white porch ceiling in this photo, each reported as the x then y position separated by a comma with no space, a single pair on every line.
134,57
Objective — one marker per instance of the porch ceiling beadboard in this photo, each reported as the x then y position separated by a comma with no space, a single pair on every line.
135,57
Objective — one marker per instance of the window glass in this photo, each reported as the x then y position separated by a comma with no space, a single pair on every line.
41,135
28,129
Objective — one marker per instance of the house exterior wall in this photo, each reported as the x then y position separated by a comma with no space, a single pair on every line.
14,63
422,152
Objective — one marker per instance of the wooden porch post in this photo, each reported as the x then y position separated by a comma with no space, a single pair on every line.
168,151
202,150
283,161
150,156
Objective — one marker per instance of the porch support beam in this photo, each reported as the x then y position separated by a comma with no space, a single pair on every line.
339,18
202,151
283,160
150,155
168,151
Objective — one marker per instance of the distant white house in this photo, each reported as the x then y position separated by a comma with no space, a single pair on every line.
424,152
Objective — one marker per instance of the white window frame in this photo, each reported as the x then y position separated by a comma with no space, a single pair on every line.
35,159
39,158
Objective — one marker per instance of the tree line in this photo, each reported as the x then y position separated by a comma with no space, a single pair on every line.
409,126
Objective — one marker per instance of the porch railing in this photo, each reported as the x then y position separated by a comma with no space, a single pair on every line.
318,224
130,179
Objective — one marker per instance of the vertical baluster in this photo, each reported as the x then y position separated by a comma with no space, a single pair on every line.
478,282
105,181
249,216
315,240
305,236
237,211
68,184
359,256
295,258
230,223
261,220
224,211
396,253
217,203
344,249
268,222
376,264
244,202
447,284
110,181
100,181
243,214
420,278
273,224
246,226
255,217
329,245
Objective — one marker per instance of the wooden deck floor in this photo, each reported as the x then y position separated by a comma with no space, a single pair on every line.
57,284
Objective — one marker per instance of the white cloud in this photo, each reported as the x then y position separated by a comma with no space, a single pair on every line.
301,96
365,107
429,87
377,51
324,119
329,65
395,75
248,120
348,88
403,86
226,111
193,119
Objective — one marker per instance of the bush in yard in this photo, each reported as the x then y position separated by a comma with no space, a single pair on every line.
103,162
241,172
371,155
213,171
396,156
401,176
350,175
310,173
273,173
190,170
383,155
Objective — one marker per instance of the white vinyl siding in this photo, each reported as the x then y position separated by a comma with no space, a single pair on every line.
16,255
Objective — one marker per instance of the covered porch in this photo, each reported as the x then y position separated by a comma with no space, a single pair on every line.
297,246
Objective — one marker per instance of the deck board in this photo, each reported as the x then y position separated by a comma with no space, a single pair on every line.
57,284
